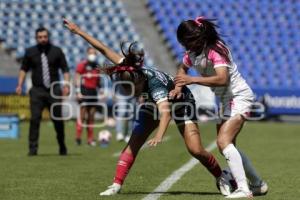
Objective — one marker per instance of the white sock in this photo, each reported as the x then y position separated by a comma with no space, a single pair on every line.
251,173
235,164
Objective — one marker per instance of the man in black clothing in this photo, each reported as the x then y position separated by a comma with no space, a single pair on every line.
44,60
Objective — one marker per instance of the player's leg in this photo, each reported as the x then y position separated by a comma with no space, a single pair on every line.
185,118
186,121
227,132
120,119
91,110
191,135
257,185
79,122
143,127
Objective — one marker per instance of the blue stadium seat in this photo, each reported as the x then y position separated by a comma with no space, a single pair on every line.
261,41
106,19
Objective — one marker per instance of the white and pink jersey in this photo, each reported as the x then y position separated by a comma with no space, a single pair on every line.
206,67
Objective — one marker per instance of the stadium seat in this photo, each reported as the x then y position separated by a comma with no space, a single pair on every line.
105,19
261,41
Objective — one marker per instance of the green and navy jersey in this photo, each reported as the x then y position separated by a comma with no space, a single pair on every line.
158,86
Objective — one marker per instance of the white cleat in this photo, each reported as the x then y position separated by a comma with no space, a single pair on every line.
240,193
261,189
112,190
127,138
119,137
224,185
92,143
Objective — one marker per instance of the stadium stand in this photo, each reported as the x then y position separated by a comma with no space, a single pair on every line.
265,45
104,19
9,66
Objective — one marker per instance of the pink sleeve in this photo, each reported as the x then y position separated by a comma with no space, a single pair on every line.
186,60
217,59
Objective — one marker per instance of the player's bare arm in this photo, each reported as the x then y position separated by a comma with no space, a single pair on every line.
165,118
106,51
176,92
219,79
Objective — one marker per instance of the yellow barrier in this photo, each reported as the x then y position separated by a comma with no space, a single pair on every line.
18,105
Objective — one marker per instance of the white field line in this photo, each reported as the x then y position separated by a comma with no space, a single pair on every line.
175,176
165,139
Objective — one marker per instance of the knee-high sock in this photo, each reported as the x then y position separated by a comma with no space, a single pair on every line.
250,170
90,132
235,164
212,165
78,129
124,164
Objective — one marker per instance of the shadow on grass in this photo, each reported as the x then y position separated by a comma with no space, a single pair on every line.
55,155
172,193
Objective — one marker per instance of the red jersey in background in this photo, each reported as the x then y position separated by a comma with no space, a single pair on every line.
89,74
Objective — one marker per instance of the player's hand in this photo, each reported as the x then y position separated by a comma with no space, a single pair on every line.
182,80
154,141
71,26
66,90
79,96
19,90
175,93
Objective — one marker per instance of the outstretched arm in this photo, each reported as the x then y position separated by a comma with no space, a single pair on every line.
106,51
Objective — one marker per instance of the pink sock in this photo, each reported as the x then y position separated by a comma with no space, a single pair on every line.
78,130
90,132
213,166
124,164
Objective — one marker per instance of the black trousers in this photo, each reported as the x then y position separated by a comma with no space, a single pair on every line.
41,98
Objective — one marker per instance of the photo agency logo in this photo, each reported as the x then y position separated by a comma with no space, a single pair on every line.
117,100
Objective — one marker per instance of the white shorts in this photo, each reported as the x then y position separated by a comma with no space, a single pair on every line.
236,105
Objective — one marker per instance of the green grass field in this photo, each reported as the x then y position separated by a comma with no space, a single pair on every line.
86,171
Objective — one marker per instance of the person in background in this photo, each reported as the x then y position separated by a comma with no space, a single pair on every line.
45,60
123,121
87,83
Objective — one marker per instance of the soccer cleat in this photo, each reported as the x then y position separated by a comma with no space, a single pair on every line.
223,185
127,138
261,189
78,141
113,189
92,143
240,193
119,137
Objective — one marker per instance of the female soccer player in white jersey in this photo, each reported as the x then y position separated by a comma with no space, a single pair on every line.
208,53
156,85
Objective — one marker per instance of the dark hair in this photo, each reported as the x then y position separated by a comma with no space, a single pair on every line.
127,70
201,36
41,29
133,54
135,76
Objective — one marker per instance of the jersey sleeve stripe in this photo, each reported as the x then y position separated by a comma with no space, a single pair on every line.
161,100
221,65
